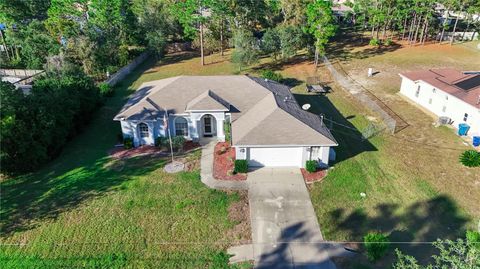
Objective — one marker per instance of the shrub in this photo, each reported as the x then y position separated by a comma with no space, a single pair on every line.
388,42
128,142
162,142
241,166
374,42
178,142
470,158
227,130
311,166
376,245
473,238
105,89
270,75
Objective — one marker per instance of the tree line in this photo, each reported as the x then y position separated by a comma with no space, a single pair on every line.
103,35
414,21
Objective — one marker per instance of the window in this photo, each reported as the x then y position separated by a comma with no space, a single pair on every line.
446,97
434,90
444,109
181,126
143,128
465,117
417,93
430,101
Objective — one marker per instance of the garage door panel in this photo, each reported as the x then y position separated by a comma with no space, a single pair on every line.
273,157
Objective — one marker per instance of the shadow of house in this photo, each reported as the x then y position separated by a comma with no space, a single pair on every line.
412,230
349,138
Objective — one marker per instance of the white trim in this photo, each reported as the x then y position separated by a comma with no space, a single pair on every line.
175,127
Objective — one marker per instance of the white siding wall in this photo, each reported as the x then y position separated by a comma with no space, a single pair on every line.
130,129
319,154
156,128
437,101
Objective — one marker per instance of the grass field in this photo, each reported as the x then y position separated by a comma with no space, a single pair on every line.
87,210
415,192
416,189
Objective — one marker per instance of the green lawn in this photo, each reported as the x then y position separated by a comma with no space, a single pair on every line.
87,210
414,192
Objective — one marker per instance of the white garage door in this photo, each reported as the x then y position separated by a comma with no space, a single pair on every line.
275,157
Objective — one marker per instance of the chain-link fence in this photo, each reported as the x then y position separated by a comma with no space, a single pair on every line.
392,121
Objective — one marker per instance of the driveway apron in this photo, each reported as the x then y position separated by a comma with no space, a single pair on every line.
285,230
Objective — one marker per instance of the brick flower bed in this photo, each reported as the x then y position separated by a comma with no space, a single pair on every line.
223,163
313,177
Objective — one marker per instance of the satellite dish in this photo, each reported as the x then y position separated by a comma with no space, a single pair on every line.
306,106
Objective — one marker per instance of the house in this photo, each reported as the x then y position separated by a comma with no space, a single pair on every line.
268,128
446,93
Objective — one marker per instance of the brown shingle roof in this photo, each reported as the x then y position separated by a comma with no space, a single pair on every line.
459,84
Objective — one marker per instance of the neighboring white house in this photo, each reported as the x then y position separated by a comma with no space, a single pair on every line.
268,127
446,92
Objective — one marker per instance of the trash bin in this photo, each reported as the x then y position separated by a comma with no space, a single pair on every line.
476,141
463,129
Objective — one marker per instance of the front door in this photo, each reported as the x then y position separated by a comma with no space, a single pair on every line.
207,126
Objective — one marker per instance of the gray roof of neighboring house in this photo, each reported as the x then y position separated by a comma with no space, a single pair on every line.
263,112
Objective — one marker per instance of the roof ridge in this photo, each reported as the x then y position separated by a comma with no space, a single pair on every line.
323,129
148,95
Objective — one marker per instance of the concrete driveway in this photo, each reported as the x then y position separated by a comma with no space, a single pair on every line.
285,229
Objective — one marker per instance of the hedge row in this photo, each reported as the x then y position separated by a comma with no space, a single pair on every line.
36,126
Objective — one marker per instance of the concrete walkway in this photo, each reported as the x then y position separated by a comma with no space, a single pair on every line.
206,170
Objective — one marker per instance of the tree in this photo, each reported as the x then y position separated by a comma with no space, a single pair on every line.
291,40
245,52
293,11
36,45
221,14
191,13
459,254
156,42
271,43
320,24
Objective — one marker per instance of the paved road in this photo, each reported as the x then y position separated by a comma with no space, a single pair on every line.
285,229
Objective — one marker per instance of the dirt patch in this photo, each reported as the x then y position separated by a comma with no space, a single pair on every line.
239,213
223,163
313,177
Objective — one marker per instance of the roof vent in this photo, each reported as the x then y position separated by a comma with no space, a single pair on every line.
266,80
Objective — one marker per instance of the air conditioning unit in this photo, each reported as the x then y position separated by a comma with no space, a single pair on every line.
443,120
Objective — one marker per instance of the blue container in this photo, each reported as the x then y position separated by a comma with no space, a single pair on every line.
476,141
463,129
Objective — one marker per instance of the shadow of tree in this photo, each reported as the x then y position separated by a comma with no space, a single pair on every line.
82,171
295,240
412,230
347,40
348,136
